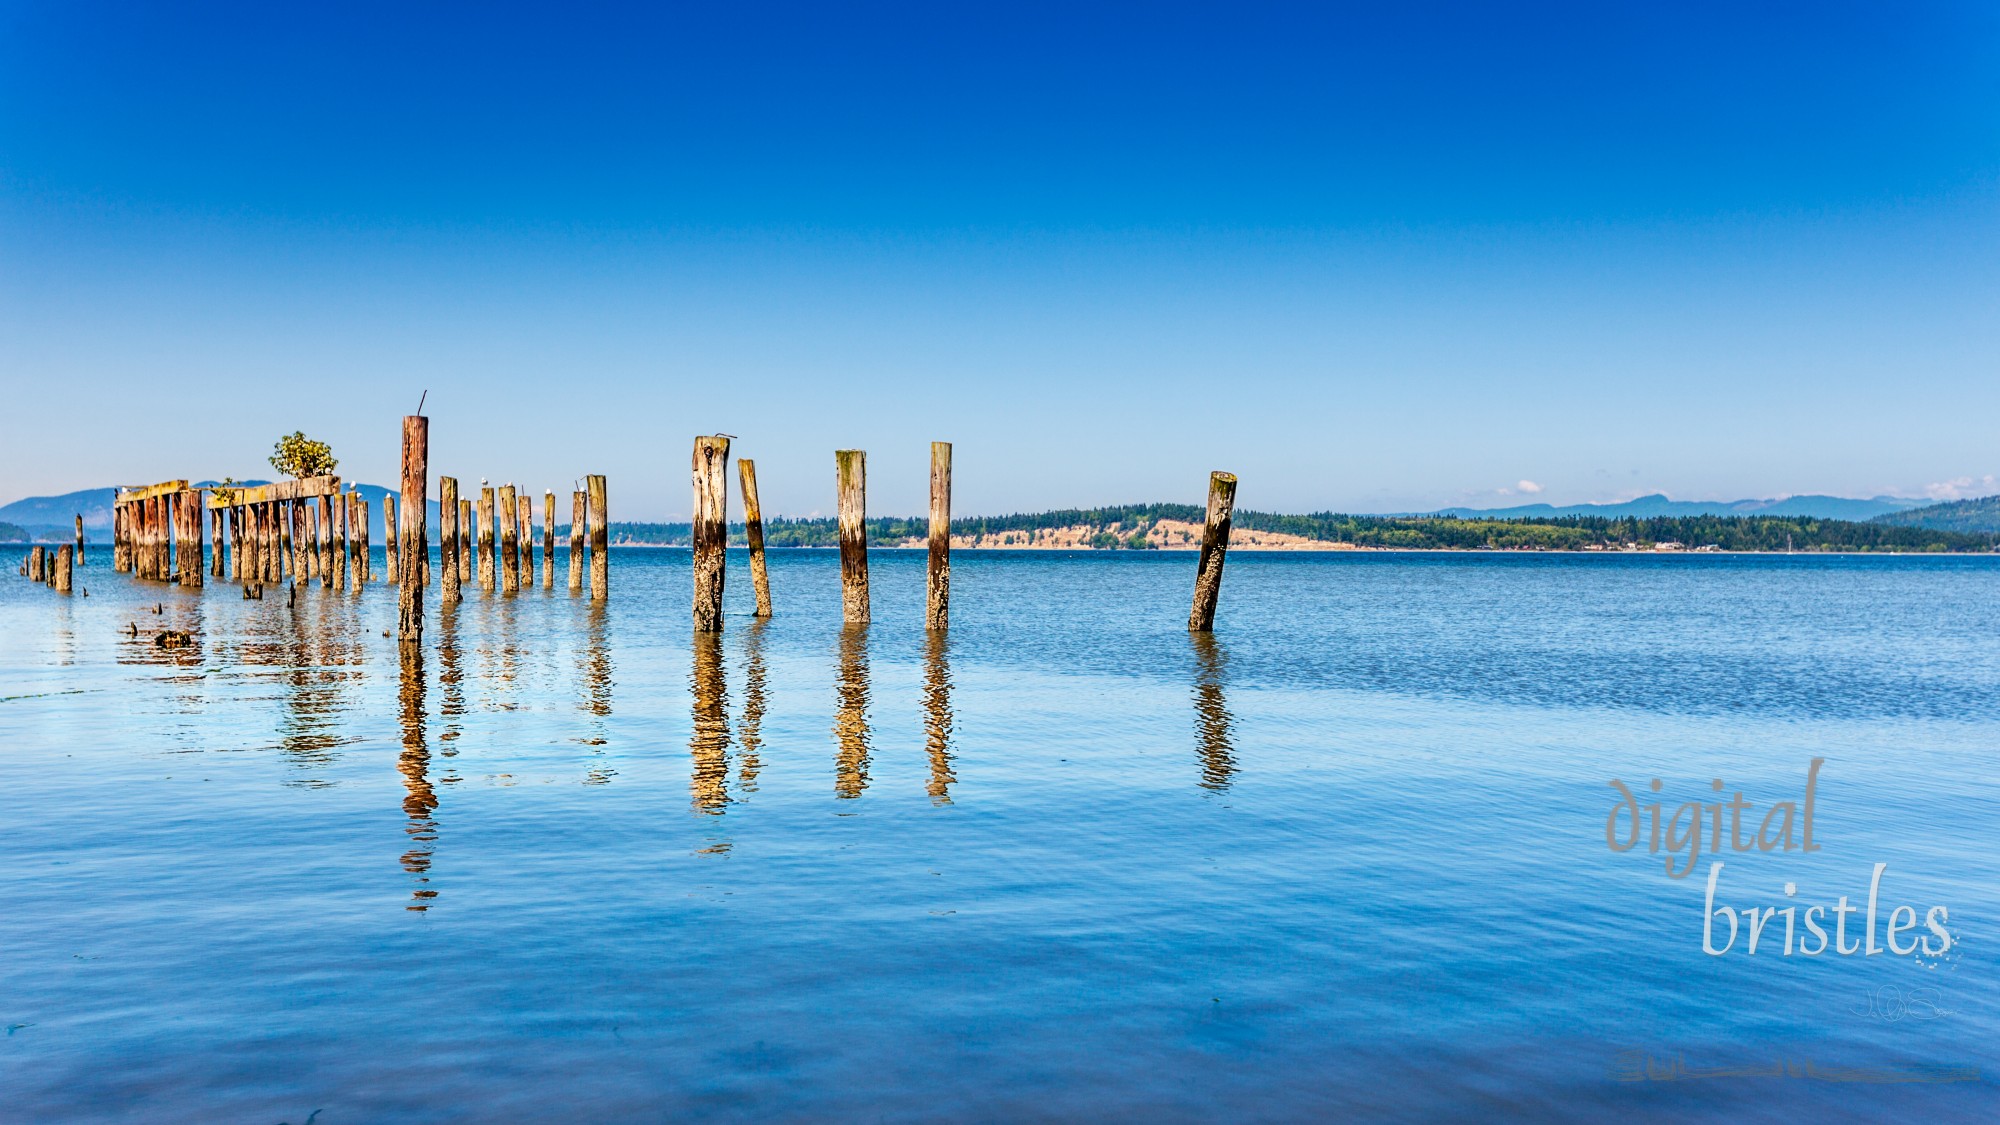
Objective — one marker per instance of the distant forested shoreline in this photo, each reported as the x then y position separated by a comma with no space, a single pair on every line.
1125,527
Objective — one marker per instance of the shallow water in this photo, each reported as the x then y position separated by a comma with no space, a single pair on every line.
1347,858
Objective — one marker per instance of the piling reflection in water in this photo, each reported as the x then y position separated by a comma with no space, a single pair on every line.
595,663
421,802
750,732
1212,718
709,744
937,715
850,715
451,681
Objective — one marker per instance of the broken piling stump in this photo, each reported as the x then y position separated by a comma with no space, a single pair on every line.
1214,545
710,532
753,534
851,482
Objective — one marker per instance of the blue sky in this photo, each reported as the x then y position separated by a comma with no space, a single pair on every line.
1379,257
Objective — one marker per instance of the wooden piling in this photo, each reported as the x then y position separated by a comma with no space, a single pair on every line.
600,539
488,535
710,533
340,542
363,568
326,565
753,534
851,480
937,604
389,560
282,516
465,538
79,539
1214,545
65,567
510,541
216,562
36,566
234,514
548,540
524,527
302,547
576,523
118,536
448,540
416,486
194,567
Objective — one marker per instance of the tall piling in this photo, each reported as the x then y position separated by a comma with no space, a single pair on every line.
79,539
937,602
448,540
65,566
302,544
326,566
1214,545
710,531
465,538
576,524
340,542
118,558
548,540
488,536
510,541
194,566
36,566
524,527
600,539
364,559
217,564
416,486
753,534
390,562
851,481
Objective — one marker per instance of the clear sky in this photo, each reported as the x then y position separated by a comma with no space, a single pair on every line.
1377,257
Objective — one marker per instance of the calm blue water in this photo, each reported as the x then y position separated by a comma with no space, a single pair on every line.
1347,860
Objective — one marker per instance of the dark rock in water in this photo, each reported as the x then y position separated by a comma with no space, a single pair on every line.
173,638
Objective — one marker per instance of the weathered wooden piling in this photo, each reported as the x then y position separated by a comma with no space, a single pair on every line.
448,540
193,567
340,542
79,539
282,516
234,514
937,603
302,546
548,540
577,541
1214,545
363,570
600,539
313,544
36,566
851,480
510,541
753,534
416,545
389,560
710,533
326,564
488,536
524,527
118,555
465,537
217,563
65,569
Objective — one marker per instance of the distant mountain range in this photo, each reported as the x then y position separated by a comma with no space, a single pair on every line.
53,518
1815,507
1981,516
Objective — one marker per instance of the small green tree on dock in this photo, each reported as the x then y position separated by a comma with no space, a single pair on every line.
299,456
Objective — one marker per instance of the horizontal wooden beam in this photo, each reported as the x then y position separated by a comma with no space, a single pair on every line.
305,489
165,488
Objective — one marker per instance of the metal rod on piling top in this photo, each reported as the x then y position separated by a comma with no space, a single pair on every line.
524,523
753,534
548,540
600,538
576,523
510,541
1214,545
937,606
65,564
487,536
448,539
464,552
389,560
416,486
851,480
710,531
